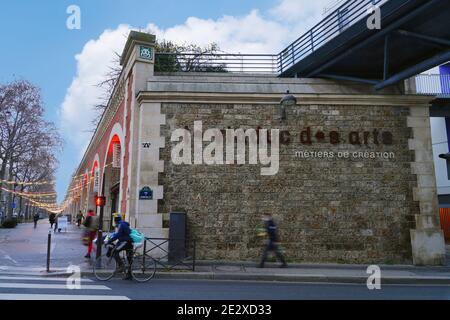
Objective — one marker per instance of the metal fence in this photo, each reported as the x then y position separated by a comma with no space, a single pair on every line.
222,63
434,84
332,25
169,255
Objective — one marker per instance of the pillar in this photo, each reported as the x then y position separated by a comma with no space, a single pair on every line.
427,239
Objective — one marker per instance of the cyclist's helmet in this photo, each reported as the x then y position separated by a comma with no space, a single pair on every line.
117,218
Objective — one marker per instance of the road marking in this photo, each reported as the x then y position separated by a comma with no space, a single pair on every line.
29,269
48,286
10,259
9,296
37,278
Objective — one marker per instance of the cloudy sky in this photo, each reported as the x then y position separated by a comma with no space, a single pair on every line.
67,64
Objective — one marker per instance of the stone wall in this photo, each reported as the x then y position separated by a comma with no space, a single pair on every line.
328,210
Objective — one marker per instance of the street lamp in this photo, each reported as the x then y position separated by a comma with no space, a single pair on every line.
287,101
446,157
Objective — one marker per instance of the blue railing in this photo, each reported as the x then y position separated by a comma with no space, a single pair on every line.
433,84
334,24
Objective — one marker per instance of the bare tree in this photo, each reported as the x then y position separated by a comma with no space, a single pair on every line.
172,58
23,129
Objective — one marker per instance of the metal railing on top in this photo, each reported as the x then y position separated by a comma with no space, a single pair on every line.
332,25
434,84
216,62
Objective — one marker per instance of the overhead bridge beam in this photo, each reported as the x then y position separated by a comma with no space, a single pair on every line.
420,67
348,78
378,35
423,37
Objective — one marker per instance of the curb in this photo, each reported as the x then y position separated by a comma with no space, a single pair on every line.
399,280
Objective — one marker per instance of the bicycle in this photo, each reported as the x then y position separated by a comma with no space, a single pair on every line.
142,266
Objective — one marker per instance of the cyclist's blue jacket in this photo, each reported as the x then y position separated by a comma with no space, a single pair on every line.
123,233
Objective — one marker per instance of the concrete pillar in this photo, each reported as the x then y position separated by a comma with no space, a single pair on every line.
148,167
137,59
144,164
427,239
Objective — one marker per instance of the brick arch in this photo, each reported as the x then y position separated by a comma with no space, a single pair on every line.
116,132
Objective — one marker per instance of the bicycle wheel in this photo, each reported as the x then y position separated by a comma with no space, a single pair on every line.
105,268
143,268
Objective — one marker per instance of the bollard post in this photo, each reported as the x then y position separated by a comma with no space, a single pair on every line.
49,241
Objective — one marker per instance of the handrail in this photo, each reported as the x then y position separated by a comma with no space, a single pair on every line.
332,25
216,62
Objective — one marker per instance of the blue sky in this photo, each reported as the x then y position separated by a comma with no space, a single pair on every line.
37,46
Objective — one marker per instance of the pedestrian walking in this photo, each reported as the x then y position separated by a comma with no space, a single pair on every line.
91,224
272,242
52,220
36,218
80,218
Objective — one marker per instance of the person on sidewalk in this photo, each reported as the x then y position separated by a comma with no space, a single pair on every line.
91,224
272,242
80,218
36,218
124,243
52,220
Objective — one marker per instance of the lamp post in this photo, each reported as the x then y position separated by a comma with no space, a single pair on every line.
287,101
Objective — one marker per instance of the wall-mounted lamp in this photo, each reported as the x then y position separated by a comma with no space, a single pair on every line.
446,157
287,101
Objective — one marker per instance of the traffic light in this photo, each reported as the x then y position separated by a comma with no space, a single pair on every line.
100,201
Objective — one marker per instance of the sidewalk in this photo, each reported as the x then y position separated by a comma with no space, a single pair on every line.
70,251
25,249
307,273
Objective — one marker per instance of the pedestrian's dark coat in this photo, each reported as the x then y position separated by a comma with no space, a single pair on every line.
271,229
52,218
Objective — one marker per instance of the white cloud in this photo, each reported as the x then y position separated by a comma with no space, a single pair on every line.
92,64
251,33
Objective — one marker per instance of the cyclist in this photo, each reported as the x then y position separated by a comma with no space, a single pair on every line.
124,243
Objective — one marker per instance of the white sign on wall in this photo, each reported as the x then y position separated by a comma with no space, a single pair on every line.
116,155
96,179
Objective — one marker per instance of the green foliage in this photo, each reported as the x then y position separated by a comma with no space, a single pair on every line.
171,57
9,223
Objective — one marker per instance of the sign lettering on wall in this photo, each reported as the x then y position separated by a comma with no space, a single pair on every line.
116,155
96,179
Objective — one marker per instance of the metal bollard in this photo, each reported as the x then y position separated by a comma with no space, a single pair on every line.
49,242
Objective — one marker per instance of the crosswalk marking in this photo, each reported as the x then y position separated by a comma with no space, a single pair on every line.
58,297
37,278
51,288
48,286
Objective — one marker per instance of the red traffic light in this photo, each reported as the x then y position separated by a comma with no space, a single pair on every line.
100,201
